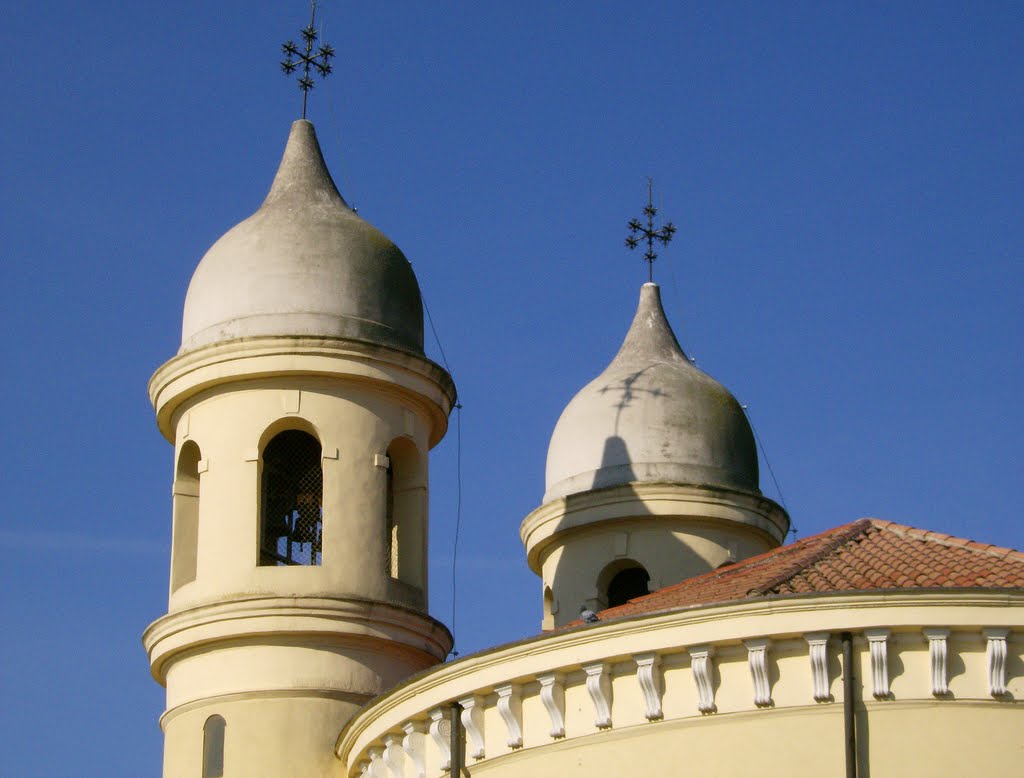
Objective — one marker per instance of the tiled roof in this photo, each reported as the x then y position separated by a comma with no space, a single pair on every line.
864,555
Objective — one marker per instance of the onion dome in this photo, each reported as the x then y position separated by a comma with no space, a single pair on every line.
651,417
305,264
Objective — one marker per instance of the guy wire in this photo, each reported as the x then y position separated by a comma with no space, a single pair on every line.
771,472
458,470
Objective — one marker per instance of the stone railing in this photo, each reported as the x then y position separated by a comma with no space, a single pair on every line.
751,659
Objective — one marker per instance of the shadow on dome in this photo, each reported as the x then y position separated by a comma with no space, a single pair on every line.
629,392
621,553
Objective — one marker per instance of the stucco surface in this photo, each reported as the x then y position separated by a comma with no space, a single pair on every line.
304,264
651,416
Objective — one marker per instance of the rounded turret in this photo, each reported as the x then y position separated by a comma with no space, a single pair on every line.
651,478
302,409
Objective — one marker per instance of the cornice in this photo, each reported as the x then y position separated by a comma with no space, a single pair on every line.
677,631
421,381
342,619
645,501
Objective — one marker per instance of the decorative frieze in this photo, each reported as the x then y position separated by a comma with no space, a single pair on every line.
389,754
937,650
817,645
510,706
599,685
414,745
757,660
441,734
648,673
473,723
995,654
879,649
700,665
552,694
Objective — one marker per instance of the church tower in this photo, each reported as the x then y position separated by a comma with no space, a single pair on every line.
301,408
651,477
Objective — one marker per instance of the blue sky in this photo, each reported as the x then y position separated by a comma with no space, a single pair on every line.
847,185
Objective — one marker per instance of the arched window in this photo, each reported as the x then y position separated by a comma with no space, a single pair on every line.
291,500
548,621
404,507
213,747
627,584
185,516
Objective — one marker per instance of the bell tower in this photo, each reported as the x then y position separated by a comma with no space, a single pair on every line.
301,408
651,478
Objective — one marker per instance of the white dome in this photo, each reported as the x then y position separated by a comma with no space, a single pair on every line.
305,264
651,416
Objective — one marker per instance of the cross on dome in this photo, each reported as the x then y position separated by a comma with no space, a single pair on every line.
321,61
648,233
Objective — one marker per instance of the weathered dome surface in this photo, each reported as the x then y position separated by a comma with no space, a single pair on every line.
305,264
652,417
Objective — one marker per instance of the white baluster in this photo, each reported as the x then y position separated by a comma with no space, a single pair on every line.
599,685
937,650
703,670
441,733
510,706
995,653
878,646
473,722
648,673
552,694
414,744
817,644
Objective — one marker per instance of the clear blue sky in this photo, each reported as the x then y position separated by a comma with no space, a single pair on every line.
847,183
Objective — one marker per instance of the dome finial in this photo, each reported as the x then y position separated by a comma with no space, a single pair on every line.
321,61
648,233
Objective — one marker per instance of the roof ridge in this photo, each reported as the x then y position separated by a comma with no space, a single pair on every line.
842,535
942,539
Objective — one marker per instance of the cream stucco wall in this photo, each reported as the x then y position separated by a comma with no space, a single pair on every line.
674,531
355,425
285,654
970,730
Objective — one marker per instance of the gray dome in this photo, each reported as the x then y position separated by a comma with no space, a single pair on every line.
651,416
304,265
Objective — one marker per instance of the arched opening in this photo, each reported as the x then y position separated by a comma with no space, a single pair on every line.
291,500
213,747
621,581
405,539
548,621
627,584
185,516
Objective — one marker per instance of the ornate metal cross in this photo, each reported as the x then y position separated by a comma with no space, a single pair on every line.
648,233
321,61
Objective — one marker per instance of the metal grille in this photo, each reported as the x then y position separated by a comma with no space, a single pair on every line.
292,501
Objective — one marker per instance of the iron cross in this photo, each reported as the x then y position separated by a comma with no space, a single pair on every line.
648,233
321,61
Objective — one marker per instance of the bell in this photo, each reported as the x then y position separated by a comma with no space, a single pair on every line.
307,525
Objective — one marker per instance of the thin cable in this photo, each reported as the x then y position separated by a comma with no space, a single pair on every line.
771,472
458,472
458,511
437,340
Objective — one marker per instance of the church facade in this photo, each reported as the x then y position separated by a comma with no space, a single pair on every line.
679,635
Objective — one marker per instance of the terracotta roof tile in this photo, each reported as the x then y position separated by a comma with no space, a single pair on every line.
860,556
